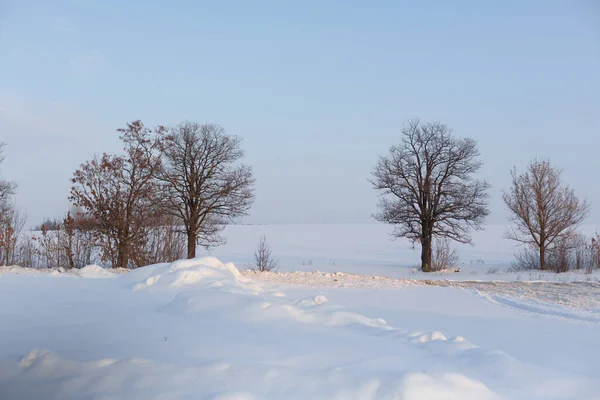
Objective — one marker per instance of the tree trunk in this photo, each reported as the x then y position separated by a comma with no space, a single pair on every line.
122,255
192,240
70,260
426,254
69,250
542,256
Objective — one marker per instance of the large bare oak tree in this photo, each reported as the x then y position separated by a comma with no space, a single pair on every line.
542,208
428,187
203,183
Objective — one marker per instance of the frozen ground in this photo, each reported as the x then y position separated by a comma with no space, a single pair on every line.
200,329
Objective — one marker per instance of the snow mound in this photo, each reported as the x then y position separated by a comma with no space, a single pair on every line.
427,337
212,262
313,301
205,270
310,311
94,271
446,386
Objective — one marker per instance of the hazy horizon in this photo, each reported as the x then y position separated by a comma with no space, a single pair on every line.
317,90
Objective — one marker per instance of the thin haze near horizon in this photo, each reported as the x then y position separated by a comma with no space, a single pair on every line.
316,89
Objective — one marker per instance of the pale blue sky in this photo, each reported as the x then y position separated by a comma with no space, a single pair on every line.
317,89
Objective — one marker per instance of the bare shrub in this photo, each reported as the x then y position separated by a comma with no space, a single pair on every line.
68,244
444,256
559,256
573,252
164,241
49,247
525,259
580,243
27,252
594,255
12,222
263,259
492,271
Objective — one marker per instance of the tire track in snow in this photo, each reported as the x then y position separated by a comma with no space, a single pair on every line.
577,301
545,309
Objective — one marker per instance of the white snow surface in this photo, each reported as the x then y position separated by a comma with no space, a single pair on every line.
369,249
331,325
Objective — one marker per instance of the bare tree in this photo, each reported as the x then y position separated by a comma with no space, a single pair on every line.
119,193
202,182
263,258
428,188
543,210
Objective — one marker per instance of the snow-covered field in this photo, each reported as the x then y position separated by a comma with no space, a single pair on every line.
368,249
357,322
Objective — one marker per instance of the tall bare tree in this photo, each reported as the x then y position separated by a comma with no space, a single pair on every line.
543,210
118,191
428,188
203,183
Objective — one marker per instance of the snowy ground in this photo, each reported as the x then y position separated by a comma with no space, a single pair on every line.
199,329
368,249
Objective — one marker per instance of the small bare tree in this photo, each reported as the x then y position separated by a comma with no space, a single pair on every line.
202,182
543,210
263,259
444,256
428,187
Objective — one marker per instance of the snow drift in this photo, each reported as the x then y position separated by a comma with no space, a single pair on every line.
197,329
